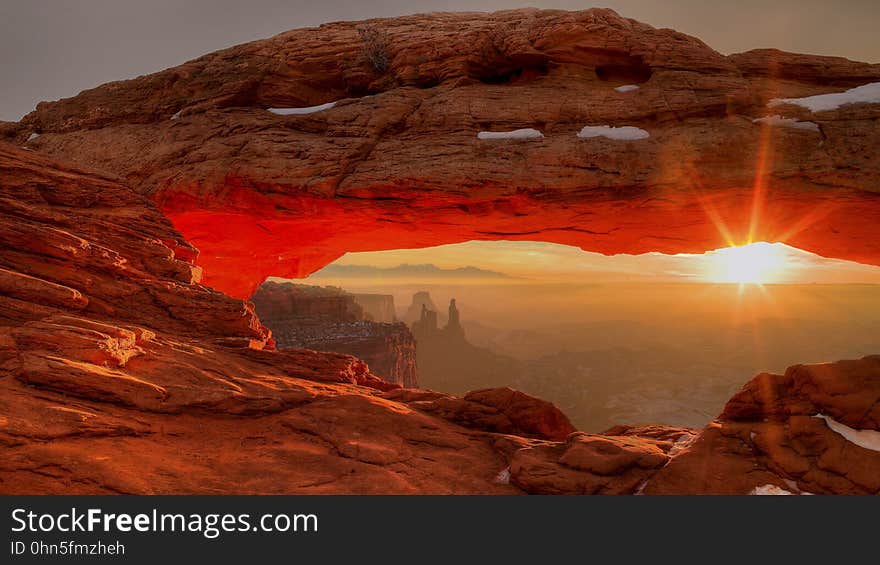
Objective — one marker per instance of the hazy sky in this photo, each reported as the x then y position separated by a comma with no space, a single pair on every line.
762,262
51,49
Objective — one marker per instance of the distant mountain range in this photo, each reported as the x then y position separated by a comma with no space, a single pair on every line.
427,270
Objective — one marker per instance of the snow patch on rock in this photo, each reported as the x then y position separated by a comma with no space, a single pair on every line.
623,133
301,111
683,442
527,133
865,94
791,123
176,115
869,439
770,490
503,476
33,136
773,490
627,88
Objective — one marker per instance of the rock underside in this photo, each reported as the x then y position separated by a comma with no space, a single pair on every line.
122,372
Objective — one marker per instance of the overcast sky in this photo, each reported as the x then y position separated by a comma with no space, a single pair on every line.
51,49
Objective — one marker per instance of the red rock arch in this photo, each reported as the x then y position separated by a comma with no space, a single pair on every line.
397,162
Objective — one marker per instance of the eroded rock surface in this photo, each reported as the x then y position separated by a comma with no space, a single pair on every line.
501,410
587,464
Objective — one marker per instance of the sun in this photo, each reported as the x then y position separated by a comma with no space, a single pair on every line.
755,263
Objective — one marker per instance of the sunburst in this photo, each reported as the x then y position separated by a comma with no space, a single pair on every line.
755,263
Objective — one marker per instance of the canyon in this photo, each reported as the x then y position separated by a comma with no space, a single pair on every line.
448,361
145,212
330,319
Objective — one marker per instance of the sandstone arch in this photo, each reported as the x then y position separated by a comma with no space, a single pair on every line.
396,162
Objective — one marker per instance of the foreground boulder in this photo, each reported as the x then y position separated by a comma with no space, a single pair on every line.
501,410
815,429
590,464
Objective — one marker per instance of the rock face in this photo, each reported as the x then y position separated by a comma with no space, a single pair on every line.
377,307
305,306
426,326
330,319
389,350
397,162
421,302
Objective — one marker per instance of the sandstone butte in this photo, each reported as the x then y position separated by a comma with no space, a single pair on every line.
145,212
